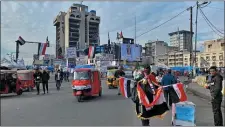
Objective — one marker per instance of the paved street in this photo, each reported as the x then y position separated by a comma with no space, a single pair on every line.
60,108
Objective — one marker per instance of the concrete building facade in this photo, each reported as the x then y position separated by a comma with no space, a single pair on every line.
80,28
60,34
155,49
213,55
181,39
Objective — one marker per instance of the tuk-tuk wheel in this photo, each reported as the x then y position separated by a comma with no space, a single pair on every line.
100,93
79,98
19,92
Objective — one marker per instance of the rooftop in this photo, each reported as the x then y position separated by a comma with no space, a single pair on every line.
181,32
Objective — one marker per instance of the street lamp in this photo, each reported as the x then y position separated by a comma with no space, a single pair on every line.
196,26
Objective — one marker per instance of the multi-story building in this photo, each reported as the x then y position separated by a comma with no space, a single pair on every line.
181,39
176,58
60,34
155,49
81,28
213,53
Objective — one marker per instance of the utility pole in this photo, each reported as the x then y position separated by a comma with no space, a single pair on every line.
135,30
196,28
191,29
17,51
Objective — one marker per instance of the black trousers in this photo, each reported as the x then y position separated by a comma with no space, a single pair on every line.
168,97
38,87
217,113
145,122
45,85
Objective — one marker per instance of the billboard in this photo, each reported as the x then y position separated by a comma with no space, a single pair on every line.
131,52
71,52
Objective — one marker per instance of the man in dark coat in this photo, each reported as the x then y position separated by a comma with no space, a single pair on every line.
37,78
45,78
215,87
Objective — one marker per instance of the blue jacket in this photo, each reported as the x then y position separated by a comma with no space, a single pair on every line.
168,79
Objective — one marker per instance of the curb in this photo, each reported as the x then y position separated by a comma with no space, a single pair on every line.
195,92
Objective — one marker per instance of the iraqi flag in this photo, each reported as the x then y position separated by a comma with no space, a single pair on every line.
152,105
91,52
21,41
42,49
125,87
177,93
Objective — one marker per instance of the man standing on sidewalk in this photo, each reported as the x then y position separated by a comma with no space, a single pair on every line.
215,87
45,78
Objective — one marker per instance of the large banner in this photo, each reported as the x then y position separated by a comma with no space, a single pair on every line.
131,52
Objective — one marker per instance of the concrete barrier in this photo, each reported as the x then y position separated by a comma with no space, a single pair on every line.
201,80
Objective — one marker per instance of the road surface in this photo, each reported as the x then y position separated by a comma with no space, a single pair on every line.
60,108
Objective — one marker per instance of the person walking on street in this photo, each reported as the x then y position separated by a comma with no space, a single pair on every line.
215,87
37,78
45,78
119,73
168,79
58,78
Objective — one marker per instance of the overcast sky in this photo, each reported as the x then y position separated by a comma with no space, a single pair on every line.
34,21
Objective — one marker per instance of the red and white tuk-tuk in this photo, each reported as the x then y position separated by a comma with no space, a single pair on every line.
9,82
27,79
86,82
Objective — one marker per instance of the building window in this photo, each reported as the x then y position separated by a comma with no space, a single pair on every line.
221,57
214,64
209,46
207,58
213,58
222,44
221,64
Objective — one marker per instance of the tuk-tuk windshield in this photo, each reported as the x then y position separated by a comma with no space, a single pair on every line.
26,76
81,75
110,73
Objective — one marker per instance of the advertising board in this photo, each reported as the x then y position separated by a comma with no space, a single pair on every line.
71,52
131,52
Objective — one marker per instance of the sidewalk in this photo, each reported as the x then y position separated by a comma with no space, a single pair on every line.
201,92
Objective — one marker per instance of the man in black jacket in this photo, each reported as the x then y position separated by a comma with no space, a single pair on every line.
215,87
37,78
45,78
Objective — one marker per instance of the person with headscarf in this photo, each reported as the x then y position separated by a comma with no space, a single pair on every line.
119,73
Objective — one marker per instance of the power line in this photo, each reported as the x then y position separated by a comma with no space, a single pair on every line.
209,23
216,8
163,23
204,16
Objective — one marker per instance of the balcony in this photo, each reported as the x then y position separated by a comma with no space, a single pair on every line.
74,20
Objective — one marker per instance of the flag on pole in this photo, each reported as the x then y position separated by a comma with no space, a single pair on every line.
42,49
91,51
121,34
21,41
125,87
